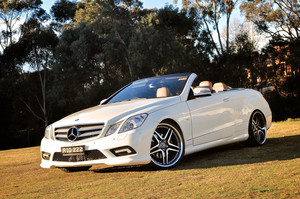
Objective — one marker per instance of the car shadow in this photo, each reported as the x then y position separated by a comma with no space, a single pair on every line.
282,148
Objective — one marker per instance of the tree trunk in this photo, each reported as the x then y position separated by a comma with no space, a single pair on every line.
227,34
207,28
217,26
127,58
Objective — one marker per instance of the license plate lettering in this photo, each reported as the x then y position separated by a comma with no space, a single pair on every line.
75,150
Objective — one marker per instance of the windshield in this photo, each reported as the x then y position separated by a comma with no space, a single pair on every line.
155,87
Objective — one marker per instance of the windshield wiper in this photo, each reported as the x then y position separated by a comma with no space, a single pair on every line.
137,98
131,99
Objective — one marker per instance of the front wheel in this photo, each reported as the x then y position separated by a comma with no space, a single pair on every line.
167,146
257,129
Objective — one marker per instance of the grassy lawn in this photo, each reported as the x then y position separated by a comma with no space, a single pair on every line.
234,171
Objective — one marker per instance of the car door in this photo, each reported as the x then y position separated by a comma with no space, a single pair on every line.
210,117
229,114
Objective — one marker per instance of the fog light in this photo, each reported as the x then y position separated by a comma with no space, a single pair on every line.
124,150
45,155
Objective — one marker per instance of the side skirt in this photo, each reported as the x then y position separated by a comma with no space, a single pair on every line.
221,142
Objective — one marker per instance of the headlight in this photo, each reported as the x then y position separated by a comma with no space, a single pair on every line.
133,122
113,128
48,131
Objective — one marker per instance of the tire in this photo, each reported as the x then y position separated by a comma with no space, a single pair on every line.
167,146
257,129
74,169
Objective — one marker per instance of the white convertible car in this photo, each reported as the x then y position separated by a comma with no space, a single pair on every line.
156,121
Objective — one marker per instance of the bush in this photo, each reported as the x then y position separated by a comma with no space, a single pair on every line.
283,107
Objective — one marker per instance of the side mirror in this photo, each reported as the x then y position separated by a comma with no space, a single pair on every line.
201,92
102,101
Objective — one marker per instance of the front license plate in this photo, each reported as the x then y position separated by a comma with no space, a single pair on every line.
74,150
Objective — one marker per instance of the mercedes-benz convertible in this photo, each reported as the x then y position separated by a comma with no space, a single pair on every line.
156,121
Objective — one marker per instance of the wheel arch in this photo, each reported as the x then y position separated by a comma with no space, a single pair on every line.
262,113
173,122
177,125
256,102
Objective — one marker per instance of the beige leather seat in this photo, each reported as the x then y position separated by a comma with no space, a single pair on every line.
206,84
163,92
220,86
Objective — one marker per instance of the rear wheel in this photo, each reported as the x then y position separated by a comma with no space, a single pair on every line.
257,129
74,169
167,146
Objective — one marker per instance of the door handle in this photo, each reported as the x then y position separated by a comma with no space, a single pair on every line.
226,99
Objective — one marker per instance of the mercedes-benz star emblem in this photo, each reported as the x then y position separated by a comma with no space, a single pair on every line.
73,134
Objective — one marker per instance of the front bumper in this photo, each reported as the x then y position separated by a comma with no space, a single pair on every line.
138,139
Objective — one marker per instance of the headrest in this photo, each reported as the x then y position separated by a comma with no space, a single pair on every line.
163,92
220,86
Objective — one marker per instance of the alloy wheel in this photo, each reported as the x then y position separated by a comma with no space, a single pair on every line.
257,129
166,146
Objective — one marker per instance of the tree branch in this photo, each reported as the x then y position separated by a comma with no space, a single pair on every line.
37,99
287,16
35,115
282,28
207,27
290,8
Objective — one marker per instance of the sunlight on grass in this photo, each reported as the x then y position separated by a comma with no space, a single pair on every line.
234,171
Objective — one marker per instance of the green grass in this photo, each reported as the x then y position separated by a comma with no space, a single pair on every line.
234,171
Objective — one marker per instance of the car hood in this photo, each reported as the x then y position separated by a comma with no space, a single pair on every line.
112,113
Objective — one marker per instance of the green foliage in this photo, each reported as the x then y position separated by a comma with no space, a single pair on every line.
294,55
291,85
63,10
211,13
116,47
11,12
167,43
283,107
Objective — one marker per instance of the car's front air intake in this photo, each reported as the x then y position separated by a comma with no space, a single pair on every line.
78,132
88,156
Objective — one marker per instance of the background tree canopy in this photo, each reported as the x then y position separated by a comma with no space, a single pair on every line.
81,52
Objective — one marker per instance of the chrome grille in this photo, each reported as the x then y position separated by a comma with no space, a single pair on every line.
85,131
